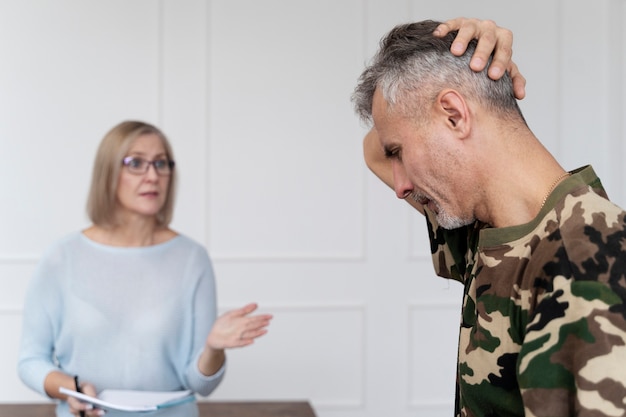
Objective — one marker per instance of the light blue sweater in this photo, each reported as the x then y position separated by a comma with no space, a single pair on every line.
123,318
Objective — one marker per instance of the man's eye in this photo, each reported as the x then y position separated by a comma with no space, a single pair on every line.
393,154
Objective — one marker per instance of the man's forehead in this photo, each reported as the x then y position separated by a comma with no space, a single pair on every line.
384,120
380,110
380,106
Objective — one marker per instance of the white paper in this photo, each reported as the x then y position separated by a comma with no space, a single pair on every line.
130,400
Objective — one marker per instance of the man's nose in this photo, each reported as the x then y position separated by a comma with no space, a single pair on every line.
401,183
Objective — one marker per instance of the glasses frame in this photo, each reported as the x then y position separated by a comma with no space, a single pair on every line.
126,161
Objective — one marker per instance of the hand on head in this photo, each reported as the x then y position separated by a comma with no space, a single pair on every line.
237,328
491,38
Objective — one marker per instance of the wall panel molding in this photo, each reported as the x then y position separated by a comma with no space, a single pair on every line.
425,319
19,259
617,98
339,346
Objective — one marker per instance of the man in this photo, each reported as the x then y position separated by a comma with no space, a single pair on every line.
540,251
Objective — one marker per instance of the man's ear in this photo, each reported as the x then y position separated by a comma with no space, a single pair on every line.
453,107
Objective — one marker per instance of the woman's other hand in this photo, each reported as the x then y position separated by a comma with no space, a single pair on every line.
76,406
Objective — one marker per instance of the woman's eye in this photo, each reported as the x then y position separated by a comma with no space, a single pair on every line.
160,163
135,163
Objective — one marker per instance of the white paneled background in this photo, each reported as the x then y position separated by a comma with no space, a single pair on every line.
254,96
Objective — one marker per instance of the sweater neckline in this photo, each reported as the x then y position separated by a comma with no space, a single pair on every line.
148,248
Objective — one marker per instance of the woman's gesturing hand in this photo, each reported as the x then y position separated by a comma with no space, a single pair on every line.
238,328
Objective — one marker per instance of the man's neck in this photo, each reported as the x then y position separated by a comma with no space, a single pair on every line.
519,177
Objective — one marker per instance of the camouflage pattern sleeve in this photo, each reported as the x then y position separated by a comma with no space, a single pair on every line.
452,250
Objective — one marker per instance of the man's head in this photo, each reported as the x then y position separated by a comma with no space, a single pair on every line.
412,66
436,119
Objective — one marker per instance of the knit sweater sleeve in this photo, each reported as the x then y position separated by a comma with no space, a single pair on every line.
203,315
41,320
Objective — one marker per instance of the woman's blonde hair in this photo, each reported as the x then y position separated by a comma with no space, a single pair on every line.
102,200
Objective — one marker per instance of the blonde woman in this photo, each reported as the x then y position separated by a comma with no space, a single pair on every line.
129,303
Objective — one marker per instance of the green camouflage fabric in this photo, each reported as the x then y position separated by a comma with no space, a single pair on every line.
543,327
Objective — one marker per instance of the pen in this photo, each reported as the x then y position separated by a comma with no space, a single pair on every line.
82,413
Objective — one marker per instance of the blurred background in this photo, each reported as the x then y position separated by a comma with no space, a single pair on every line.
255,98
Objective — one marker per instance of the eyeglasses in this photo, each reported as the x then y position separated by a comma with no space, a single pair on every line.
139,166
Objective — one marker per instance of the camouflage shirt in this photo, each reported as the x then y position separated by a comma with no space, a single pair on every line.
543,327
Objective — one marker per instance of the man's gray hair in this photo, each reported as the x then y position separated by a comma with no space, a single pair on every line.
412,66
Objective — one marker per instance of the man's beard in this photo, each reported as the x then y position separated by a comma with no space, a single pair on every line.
450,222
445,219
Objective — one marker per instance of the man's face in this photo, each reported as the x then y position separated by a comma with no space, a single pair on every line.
426,162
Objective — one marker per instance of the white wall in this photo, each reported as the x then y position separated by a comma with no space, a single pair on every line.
255,98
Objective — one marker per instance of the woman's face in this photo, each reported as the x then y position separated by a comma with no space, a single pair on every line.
143,194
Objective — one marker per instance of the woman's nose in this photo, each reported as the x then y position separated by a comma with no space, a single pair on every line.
152,173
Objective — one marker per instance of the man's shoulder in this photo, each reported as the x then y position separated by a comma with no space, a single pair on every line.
584,214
